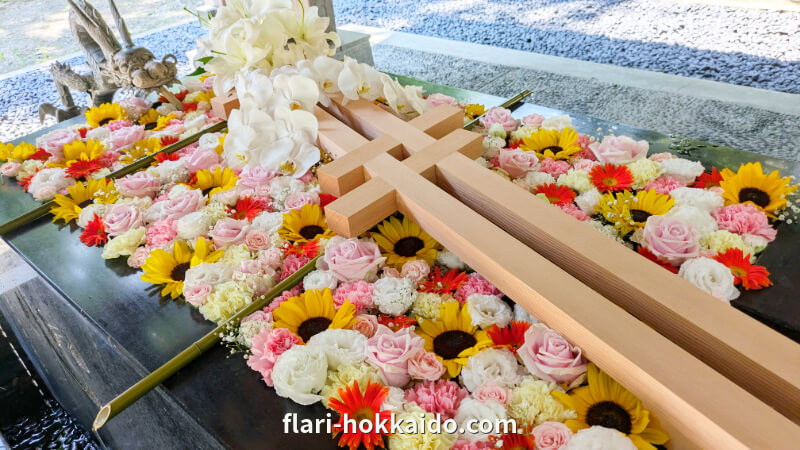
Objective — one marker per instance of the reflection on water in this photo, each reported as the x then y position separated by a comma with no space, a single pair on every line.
52,428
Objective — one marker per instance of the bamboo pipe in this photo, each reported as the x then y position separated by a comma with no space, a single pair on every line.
507,104
139,164
158,376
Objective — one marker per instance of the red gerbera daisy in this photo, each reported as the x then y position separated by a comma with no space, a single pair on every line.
708,179
94,235
180,96
161,157
81,169
189,107
513,144
325,199
446,284
168,140
356,408
396,322
308,249
644,251
82,132
557,195
248,208
746,274
26,181
611,178
515,441
511,337
40,155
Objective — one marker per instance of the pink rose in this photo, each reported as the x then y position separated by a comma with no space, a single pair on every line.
125,137
745,218
584,164
659,157
256,240
417,269
390,272
366,324
115,125
250,266
161,232
135,107
438,397
197,294
501,116
10,169
435,100
389,352
489,390
174,128
619,149
533,120
252,177
54,141
139,184
229,232
201,159
44,193
671,238
138,257
358,292
298,199
307,177
120,218
353,259
184,203
550,357
517,162
266,347
551,435
424,365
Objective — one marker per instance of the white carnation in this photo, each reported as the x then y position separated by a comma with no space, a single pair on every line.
319,280
209,273
471,412
394,296
588,200
395,400
710,276
496,364
700,219
757,242
300,373
522,132
577,180
98,134
155,212
170,172
268,221
497,130
599,438
704,199
557,122
209,141
194,225
538,178
488,310
684,170
492,146
87,214
523,315
340,346
449,260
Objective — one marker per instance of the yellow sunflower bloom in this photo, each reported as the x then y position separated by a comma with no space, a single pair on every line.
474,110
305,225
607,403
161,267
19,153
452,337
628,212
204,96
552,143
103,114
149,119
81,195
217,181
313,312
163,121
80,151
141,149
751,185
405,241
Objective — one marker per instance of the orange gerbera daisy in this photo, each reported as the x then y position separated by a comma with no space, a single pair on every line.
746,274
94,235
81,169
161,157
708,179
611,178
360,408
396,322
513,441
166,141
248,208
557,195
511,337
446,284
309,249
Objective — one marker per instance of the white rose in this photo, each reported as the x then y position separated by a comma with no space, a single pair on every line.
340,346
395,400
557,122
496,364
471,412
268,221
54,178
87,214
319,280
209,273
698,218
155,212
394,296
170,171
194,225
300,373
209,141
684,170
588,201
758,243
449,260
701,198
710,276
98,134
124,244
534,179
488,310
599,438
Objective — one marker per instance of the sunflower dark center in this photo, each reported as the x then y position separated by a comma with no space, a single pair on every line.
85,203
150,126
754,195
408,246
553,148
179,271
449,344
639,216
311,231
105,121
610,415
312,326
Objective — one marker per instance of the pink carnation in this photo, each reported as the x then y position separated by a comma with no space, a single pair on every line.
745,218
659,157
586,152
161,232
463,444
292,264
358,292
574,211
438,397
476,284
285,295
663,185
266,347
272,258
554,167
417,269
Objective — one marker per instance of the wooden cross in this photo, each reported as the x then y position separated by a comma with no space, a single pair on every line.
674,384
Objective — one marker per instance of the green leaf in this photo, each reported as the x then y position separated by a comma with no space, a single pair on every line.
198,71
205,60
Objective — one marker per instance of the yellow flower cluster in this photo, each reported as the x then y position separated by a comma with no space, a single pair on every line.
124,244
532,403
345,375
721,240
427,305
225,300
577,180
415,441
644,171
235,254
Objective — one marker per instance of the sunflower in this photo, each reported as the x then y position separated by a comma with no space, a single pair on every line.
607,403
81,151
452,337
163,121
141,149
751,184
313,312
20,152
474,110
552,143
101,115
557,195
212,182
746,274
405,241
628,212
358,407
611,178
161,267
149,119
305,225
80,196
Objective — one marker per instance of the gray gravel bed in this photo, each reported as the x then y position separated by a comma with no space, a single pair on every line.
750,47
